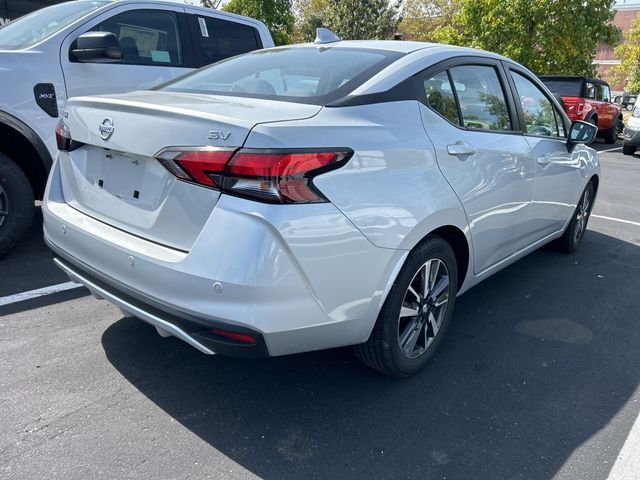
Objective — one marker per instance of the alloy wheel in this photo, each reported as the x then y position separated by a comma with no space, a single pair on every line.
423,308
582,216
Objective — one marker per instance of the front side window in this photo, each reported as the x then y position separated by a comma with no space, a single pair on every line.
41,24
295,74
440,97
606,94
540,116
220,39
147,37
482,101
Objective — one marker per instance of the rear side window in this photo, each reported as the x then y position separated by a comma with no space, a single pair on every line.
220,39
589,90
564,88
482,101
440,97
147,37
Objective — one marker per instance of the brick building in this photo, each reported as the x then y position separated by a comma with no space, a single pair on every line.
626,11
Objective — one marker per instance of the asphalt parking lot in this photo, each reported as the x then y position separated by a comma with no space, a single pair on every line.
538,378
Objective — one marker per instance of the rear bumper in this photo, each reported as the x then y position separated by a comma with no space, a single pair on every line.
192,330
295,279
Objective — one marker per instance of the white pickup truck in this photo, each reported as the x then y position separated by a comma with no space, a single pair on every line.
93,47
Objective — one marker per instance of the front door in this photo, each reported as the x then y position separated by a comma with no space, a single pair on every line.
152,50
557,170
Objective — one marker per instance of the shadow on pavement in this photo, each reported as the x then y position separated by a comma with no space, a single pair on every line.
18,268
538,359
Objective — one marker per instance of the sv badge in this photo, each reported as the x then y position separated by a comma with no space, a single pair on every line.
218,135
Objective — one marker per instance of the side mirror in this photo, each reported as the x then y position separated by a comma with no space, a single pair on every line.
581,132
101,47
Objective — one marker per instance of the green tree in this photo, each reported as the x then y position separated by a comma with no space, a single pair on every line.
547,36
277,15
629,54
421,18
349,19
310,15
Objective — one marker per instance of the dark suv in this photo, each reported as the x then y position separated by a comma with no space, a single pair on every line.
588,99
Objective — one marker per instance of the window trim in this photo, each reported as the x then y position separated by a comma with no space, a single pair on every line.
510,67
470,60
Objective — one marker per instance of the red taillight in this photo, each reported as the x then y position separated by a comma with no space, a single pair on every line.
203,166
238,337
273,176
63,137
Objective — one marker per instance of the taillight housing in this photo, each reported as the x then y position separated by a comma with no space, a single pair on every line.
266,175
63,138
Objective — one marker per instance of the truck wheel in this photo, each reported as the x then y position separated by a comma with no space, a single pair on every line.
611,135
628,149
16,204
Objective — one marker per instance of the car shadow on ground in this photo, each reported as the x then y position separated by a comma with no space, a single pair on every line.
537,360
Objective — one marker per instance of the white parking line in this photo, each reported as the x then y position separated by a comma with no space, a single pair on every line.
611,149
620,220
627,465
40,292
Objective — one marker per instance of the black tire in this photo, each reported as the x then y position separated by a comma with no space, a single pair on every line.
574,233
383,351
611,135
628,149
16,204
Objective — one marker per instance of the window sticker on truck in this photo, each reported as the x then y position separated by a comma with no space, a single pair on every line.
203,27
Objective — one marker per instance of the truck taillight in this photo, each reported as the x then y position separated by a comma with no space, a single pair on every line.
272,176
63,138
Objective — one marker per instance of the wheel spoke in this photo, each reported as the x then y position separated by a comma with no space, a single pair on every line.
408,312
431,272
441,285
409,336
415,294
442,299
434,324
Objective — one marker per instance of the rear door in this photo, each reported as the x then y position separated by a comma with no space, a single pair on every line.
155,48
557,170
471,121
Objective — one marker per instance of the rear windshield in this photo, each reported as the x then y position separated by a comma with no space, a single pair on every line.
565,88
35,27
315,75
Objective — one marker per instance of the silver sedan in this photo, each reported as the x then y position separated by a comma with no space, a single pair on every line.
316,196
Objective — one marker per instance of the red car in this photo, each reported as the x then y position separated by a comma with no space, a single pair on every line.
588,99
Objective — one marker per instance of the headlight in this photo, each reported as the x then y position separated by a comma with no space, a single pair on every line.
636,111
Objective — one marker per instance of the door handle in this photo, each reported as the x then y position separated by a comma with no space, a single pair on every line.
460,149
544,161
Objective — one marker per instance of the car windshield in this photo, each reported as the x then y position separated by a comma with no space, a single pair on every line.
35,27
314,75
565,88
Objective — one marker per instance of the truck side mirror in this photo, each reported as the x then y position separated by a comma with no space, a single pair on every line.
99,47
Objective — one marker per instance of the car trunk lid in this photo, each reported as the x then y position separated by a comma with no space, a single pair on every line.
115,177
